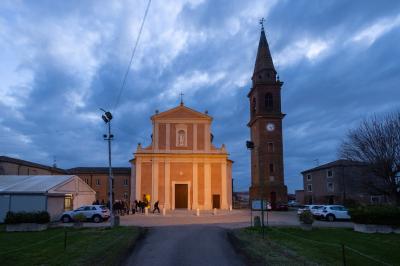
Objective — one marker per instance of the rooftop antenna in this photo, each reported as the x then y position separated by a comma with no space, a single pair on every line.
54,161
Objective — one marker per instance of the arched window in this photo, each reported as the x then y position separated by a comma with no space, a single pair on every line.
253,106
181,138
269,104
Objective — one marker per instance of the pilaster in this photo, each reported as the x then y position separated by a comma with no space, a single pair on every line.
207,185
224,188
195,186
154,180
167,184
138,177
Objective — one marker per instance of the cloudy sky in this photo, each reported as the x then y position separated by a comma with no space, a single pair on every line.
62,60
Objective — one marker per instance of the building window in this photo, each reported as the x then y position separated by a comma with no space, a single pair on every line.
97,182
329,173
330,187
87,180
253,106
270,147
68,202
271,167
269,104
125,182
309,177
309,188
125,195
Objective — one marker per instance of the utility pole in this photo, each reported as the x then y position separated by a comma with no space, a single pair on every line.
107,116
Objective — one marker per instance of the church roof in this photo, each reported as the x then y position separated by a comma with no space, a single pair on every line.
264,58
337,163
181,112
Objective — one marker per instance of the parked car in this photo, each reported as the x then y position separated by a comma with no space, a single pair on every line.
311,208
332,212
95,213
281,207
293,203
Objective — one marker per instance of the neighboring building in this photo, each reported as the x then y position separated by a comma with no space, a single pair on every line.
51,193
241,200
341,181
266,129
299,196
97,179
13,166
182,168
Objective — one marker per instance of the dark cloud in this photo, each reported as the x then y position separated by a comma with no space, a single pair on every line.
77,54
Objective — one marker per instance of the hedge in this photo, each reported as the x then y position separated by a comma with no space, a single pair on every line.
27,217
381,215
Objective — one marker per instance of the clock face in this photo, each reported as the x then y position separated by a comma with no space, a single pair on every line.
270,127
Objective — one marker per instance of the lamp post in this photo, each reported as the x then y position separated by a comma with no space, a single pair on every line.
107,116
250,145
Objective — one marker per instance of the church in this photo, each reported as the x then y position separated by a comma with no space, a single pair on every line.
181,168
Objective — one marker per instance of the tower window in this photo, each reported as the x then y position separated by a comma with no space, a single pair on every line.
253,106
269,104
271,167
270,147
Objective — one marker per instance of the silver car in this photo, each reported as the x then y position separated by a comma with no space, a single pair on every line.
95,213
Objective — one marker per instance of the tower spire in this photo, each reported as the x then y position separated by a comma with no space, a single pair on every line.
264,67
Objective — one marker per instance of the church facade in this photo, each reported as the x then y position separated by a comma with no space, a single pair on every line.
182,169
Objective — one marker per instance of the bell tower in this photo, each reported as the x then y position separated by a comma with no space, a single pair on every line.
267,171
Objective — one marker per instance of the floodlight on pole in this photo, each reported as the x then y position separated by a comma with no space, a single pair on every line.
107,117
251,146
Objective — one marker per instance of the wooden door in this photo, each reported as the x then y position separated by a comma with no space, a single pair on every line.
181,196
216,201
273,200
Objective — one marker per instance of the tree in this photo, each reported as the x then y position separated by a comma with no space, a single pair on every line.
377,142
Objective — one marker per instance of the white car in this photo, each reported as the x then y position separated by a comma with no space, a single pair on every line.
311,208
333,212
96,213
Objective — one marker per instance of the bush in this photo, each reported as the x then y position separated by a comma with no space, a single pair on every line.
372,214
80,217
27,217
306,217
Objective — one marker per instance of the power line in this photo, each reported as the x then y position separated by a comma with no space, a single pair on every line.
132,55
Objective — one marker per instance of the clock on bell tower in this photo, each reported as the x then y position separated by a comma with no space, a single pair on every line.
267,169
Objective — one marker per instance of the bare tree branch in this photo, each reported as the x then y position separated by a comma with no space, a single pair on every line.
377,142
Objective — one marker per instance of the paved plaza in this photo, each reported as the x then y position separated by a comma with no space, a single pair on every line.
226,219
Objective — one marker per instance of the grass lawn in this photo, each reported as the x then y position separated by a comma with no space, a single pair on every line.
319,246
88,246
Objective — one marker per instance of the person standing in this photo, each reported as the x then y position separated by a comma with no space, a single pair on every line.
156,207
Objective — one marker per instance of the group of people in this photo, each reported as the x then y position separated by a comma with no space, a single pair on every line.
139,206
121,207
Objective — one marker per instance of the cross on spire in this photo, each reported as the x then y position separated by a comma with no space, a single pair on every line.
181,94
262,23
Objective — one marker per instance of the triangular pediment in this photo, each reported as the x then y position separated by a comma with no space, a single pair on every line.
181,112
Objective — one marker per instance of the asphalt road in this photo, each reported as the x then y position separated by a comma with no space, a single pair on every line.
185,245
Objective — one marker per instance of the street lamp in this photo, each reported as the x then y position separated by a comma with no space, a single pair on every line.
107,116
250,145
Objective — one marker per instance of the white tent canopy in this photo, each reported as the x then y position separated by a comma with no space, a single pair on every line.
42,192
